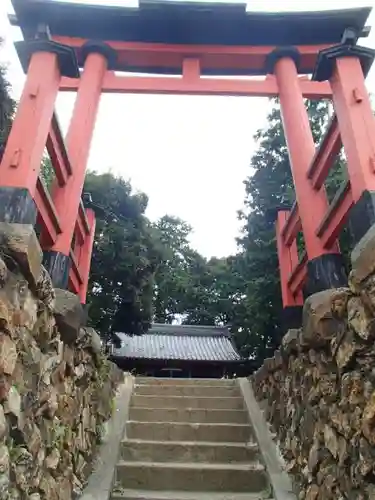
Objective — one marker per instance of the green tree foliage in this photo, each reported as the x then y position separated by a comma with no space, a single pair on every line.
7,106
213,294
125,257
47,172
189,287
172,275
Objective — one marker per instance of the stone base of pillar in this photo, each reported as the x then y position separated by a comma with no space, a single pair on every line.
17,206
58,267
292,317
325,272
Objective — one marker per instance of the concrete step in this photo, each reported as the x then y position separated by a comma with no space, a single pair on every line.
192,477
235,403
223,391
197,415
178,495
213,382
170,451
184,431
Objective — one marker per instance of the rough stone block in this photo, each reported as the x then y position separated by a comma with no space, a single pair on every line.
3,423
291,341
90,339
45,289
5,319
68,314
368,420
360,320
273,364
12,404
21,243
320,323
367,293
345,350
96,344
8,355
363,257
312,492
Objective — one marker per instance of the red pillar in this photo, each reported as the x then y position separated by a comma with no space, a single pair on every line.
24,150
325,267
84,261
357,127
78,142
356,121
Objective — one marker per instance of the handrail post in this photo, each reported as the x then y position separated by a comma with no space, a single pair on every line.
288,260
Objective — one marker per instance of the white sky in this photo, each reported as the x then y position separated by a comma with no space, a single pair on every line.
190,154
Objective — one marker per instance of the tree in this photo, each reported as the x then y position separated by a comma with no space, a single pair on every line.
7,108
125,257
172,277
213,294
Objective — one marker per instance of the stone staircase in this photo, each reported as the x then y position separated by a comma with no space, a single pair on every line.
189,440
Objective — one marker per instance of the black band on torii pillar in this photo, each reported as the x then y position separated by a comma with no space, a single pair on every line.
325,272
58,267
66,56
98,47
280,53
326,59
362,216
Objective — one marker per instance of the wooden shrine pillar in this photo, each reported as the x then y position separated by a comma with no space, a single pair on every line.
325,268
98,57
344,66
45,62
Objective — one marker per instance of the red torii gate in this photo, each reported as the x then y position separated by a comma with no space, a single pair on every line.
200,44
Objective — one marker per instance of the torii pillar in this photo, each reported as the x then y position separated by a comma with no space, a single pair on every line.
98,57
325,268
344,66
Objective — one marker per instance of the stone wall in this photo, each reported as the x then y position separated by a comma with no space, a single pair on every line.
319,390
56,388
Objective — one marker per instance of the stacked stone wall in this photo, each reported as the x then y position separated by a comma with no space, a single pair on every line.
56,387
319,390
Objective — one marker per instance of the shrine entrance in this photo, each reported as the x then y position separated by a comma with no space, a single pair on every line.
87,49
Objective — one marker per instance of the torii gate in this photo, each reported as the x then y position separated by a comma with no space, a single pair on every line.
192,41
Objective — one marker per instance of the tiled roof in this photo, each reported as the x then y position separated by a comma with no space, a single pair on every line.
177,342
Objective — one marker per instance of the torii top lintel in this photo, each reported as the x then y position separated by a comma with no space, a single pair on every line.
244,38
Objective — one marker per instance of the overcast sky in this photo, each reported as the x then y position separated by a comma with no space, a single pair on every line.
190,154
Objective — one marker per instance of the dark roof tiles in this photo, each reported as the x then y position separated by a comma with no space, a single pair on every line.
171,342
189,22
